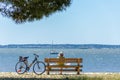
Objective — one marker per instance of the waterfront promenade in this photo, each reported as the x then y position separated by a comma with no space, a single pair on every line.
13,76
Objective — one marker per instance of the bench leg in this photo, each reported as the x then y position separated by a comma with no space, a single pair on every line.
61,71
48,71
78,71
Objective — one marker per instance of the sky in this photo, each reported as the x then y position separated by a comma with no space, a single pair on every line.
84,22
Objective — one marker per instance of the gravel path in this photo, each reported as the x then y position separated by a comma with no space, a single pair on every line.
32,75
54,76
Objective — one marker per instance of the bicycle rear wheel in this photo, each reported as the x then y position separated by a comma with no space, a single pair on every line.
20,67
39,67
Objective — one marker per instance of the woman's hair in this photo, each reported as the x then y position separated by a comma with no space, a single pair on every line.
60,54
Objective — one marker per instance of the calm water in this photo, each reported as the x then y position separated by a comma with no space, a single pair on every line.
94,60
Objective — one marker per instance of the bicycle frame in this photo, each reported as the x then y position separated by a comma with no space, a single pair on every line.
35,60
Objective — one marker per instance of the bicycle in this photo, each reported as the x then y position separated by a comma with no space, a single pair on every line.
22,66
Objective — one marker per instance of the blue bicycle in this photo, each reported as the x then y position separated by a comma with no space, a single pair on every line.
22,66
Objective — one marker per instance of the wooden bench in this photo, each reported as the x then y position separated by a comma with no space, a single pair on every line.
74,65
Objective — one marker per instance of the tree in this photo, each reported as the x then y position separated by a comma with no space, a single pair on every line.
29,10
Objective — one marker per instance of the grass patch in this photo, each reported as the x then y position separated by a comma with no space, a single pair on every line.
86,78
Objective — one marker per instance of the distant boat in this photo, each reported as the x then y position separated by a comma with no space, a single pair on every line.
53,51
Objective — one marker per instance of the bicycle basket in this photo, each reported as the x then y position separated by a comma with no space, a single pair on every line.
20,58
23,58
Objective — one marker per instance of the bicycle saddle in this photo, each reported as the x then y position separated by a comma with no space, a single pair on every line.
26,57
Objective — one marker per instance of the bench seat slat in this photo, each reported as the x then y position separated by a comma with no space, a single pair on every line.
63,70
65,66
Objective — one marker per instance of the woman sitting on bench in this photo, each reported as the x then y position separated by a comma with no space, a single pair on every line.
61,57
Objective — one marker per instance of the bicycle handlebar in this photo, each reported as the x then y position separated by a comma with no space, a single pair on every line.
36,55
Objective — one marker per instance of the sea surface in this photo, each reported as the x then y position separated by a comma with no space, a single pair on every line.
94,60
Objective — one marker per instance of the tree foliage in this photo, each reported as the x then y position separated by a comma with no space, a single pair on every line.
29,10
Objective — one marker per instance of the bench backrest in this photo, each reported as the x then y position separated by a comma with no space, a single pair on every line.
65,60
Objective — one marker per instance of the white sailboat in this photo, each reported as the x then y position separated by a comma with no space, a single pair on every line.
53,51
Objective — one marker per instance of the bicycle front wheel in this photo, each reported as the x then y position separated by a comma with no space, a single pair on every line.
39,67
20,67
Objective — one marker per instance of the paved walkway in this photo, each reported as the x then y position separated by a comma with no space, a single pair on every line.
54,76
32,75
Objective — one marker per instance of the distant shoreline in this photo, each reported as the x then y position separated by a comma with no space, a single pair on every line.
60,46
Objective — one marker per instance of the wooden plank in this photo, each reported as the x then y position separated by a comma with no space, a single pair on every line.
66,60
63,70
65,66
